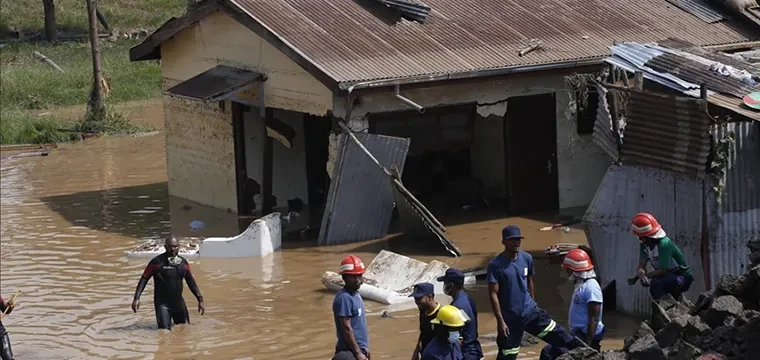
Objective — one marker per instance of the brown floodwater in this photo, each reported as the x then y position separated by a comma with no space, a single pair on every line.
69,218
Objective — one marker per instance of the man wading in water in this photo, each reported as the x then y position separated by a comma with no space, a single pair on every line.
168,270
424,297
5,341
348,311
510,286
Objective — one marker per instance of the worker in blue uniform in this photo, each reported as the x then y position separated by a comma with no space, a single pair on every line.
510,287
453,285
446,345
424,297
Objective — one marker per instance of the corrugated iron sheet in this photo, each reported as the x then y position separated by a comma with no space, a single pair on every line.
676,202
604,133
667,132
360,200
734,104
742,179
697,73
215,84
700,9
351,44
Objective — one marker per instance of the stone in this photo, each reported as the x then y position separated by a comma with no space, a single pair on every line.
679,309
685,351
696,329
646,348
641,332
581,353
722,338
614,355
704,301
660,317
672,332
754,258
753,246
721,308
667,301
731,284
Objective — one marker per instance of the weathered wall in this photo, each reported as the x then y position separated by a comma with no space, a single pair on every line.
289,164
219,39
200,155
581,163
199,143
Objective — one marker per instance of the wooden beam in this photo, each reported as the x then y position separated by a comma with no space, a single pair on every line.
267,152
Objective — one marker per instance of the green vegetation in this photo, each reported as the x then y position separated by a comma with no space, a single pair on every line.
28,87
71,15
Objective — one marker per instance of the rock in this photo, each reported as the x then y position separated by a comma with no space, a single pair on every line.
721,308
582,353
667,301
685,351
642,331
685,302
614,355
753,246
660,317
696,329
672,332
754,258
722,338
646,348
751,285
703,302
679,309
731,284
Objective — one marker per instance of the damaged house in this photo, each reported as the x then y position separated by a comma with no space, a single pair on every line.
682,127
460,97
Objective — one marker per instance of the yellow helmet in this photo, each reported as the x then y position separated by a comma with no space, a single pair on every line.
450,316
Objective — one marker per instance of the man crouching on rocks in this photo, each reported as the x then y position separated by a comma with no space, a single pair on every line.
586,307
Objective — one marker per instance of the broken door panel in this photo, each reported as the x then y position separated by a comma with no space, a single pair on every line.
417,222
360,200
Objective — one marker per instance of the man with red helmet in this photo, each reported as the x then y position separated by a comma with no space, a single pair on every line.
585,315
349,314
671,275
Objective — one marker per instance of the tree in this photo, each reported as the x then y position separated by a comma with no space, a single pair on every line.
96,109
51,34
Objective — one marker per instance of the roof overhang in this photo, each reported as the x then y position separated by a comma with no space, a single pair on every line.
216,84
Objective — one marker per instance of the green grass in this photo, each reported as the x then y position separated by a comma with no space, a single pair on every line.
71,15
28,86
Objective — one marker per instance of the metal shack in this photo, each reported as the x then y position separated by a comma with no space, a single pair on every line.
452,89
687,155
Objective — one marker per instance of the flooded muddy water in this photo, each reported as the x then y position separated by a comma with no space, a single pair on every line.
69,218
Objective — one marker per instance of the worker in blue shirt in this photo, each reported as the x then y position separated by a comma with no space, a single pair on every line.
510,288
585,316
349,313
453,285
446,345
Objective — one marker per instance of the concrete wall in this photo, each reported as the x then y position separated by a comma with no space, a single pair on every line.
289,165
581,163
199,143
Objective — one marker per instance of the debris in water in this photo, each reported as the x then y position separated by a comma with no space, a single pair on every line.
386,314
197,225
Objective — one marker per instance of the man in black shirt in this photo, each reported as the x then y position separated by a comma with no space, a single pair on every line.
424,297
168,271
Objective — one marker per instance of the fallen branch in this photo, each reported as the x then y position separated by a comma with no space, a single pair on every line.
45,59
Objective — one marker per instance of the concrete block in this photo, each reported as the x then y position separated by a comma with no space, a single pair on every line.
263,237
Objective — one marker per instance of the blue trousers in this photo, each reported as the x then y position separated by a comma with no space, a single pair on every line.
552,352
539,324
669,284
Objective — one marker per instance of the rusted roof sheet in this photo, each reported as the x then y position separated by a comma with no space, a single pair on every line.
667,132
215,84
695,72
700,9
351,44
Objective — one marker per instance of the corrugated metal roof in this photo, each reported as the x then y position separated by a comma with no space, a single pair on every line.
676,202
215,84
700,9
742,180
667,132
694,72
352,44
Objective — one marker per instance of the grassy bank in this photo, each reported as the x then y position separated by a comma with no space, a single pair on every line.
29,87
71,15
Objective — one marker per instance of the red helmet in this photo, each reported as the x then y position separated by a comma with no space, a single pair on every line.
644,224
577,260
352,265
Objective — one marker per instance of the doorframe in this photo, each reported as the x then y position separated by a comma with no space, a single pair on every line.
241,170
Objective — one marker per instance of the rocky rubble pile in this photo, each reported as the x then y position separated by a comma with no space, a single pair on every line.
723,324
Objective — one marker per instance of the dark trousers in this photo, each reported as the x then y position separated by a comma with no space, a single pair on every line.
552,352
347,355
539,324
669,284
166,313
5,347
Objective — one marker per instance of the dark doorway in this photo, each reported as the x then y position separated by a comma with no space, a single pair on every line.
316,137
531,145
245,204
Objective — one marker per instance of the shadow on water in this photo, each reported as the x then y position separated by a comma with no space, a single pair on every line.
135,211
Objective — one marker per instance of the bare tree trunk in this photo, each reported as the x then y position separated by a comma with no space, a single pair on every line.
96,107
51,34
